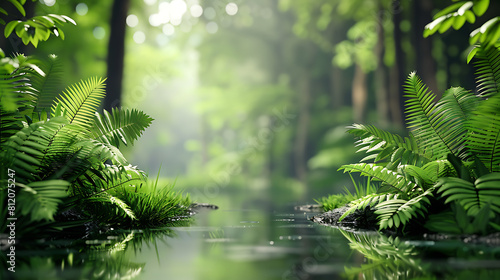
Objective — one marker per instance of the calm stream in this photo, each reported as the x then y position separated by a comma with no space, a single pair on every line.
255,242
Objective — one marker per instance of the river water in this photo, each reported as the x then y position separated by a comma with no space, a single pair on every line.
256,241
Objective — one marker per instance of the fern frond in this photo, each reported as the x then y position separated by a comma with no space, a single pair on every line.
396,181
396,212
41,199
383,145
15,90
123,126
424,120
488,71
428,174
108,206
444,221
370,200
81,100
11,123
47,85
452,113
106,152
483,138
472,196
24,150
107,177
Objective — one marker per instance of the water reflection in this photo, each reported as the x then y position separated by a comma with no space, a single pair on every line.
102,257
254,244
393,258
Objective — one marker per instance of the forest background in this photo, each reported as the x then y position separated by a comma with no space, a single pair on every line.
255,95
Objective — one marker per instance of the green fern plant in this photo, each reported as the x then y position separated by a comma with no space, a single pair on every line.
451,156
67,156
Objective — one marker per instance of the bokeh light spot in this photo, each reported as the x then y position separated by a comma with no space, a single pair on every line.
150,2
162,39
177,10
196,10
82,9
231,9
132,20
164,11
49,3
155,20
99,33
168,29
139,37
209,13
212,27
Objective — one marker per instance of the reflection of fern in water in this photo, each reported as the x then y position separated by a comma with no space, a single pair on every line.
393,258
389,258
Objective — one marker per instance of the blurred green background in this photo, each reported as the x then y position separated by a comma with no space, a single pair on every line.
255,94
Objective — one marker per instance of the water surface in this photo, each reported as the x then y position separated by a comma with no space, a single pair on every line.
254,243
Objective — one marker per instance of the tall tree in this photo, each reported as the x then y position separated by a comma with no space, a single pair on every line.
116,54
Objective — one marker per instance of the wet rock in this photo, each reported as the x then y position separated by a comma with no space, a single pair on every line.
365,220
198,206
309,208
357,219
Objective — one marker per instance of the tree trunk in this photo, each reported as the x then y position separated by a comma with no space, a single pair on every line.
116,54
337,96
381,73
300,146
397,73
426,67
359,95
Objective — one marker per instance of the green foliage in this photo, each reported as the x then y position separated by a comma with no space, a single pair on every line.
390,179
458,13
40,200
389,257
36,29
340,200
386,256
473,197
384,146
449,165
333,201
396,212
155,206
119,126
66,156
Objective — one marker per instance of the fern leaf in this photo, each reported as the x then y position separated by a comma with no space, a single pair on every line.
472,196
104,200
396,181
396,212
47,85
41,199
483,138
425,121
488,71
370,200
15,90
123,206
96,180
430,172
25,150
384,145
452,113
123,126
81,101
